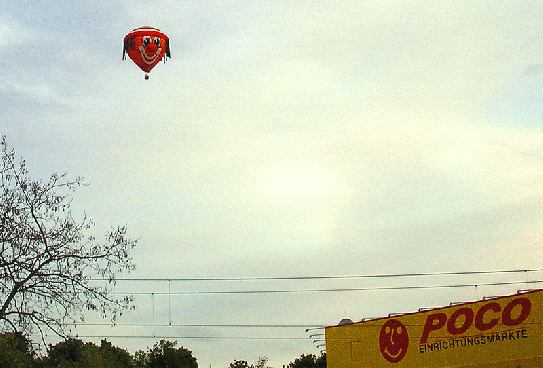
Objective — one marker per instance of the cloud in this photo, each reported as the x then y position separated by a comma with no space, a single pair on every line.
14,34
534,69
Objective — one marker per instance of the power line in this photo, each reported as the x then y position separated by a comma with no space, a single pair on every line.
188,337
330,277
373,288
307,327
198,325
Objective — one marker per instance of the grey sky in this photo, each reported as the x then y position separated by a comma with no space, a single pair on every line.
291,138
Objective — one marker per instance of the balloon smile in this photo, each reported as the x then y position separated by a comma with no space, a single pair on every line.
149,59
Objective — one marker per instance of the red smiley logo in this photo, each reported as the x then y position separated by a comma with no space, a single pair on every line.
393,340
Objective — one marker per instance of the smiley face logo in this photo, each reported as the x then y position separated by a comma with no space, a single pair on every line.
393,340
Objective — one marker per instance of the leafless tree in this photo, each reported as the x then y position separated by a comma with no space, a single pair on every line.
48,259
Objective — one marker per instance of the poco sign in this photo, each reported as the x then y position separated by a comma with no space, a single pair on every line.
495,332
485,318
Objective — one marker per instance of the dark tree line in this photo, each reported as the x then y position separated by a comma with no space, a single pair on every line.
304,361
16,351
309,361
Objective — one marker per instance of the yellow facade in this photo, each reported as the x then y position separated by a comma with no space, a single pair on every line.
504,332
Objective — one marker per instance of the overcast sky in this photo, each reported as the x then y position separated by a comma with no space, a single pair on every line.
288,139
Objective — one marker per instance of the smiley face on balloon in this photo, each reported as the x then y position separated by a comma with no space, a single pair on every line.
146,46
393,340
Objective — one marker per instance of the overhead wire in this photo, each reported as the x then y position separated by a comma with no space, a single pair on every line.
307,327
191,337
326,277
372,288
189,325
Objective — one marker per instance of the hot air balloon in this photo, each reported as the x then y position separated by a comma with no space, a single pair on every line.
146,46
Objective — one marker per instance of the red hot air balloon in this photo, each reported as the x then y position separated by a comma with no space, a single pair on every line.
146,46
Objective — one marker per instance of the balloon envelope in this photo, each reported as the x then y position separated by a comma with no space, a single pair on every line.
146,46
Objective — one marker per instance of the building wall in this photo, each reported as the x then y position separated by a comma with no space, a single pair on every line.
498,332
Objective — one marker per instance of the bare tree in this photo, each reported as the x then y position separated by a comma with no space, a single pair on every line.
47,258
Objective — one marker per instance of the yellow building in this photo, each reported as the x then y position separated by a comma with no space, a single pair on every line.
503,332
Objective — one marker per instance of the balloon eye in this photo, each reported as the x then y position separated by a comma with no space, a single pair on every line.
146,41
399,330
157,41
